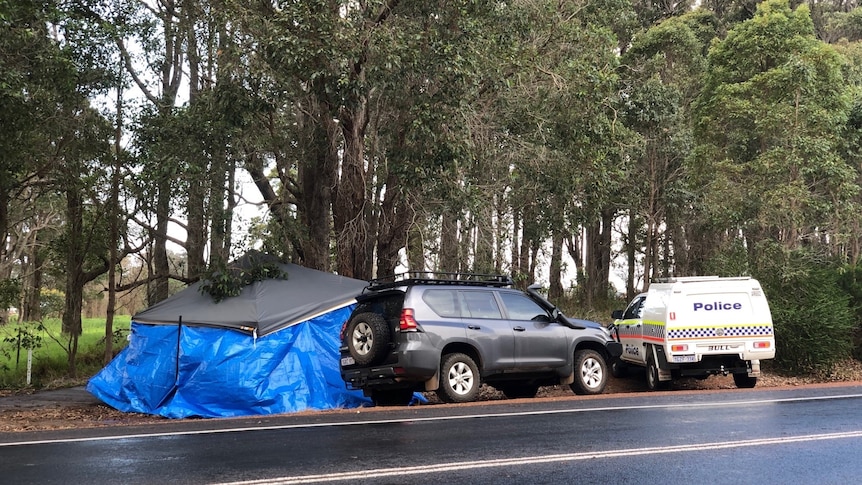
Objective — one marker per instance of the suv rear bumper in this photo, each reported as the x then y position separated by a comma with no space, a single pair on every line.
410,367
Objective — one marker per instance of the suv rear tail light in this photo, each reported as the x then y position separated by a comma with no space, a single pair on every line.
407,322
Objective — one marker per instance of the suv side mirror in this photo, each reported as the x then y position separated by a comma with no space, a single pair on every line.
617,314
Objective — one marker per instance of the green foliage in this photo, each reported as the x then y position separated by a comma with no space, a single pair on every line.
10,291
812,313
51,302
767,122
850,280
729,260
223,281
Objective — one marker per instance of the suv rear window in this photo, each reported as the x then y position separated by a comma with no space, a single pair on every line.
443,302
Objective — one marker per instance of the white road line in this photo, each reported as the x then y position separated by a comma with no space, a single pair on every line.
427,419
534,460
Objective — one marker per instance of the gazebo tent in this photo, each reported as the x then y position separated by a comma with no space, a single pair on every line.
272,349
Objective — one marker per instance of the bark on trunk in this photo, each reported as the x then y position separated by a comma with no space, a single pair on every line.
449,243
555,277
353,258
395,217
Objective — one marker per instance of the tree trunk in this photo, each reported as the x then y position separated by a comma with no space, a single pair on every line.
415,248
31,310
395,218
351,228
161,271
196,231
598,258
449,243
484,253
631,254
555,277
218,211
517,267
317,175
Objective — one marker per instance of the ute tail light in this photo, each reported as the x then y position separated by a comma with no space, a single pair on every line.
407,323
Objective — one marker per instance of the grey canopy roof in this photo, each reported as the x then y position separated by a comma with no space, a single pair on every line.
264,306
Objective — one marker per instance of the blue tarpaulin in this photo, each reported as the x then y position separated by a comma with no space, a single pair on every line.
247,364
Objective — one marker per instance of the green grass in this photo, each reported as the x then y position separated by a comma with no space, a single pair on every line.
50,357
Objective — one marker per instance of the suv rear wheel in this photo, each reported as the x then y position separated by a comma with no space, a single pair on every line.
591,373
367,338
459,379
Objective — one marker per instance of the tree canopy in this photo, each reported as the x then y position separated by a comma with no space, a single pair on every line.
585,143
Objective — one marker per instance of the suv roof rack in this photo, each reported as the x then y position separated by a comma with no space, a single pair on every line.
411,278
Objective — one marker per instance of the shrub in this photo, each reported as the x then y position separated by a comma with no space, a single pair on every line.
812,313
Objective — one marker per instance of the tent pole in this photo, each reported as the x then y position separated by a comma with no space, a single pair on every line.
179,333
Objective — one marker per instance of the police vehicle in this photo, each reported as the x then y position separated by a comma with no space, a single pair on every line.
696,327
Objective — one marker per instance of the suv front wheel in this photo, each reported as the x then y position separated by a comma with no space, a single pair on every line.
367,338
591,372
459,379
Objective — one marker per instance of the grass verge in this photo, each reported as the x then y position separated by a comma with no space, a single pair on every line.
51,348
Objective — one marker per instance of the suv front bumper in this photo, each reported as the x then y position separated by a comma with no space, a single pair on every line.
615,349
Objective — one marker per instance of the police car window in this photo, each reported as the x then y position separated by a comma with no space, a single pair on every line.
479,304
635,310
443,302
519,307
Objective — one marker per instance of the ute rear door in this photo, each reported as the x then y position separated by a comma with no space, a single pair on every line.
718,320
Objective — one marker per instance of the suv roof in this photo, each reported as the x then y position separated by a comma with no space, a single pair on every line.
413,278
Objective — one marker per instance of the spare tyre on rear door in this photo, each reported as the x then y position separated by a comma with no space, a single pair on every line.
368,337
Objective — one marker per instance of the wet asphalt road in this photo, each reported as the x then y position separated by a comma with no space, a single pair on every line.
805,435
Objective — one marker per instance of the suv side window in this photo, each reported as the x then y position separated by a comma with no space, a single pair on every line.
443,302
479,304
522,308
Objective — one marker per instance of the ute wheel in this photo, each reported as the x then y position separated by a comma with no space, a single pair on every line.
591,373
459,379
392,397
518,391
652,382
619,369
367,338
744,381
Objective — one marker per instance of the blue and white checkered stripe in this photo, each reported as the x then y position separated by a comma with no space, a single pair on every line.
710,332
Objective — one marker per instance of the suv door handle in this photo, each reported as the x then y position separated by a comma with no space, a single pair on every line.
474,327
519,329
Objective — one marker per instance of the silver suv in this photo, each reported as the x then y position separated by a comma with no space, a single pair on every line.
451,332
